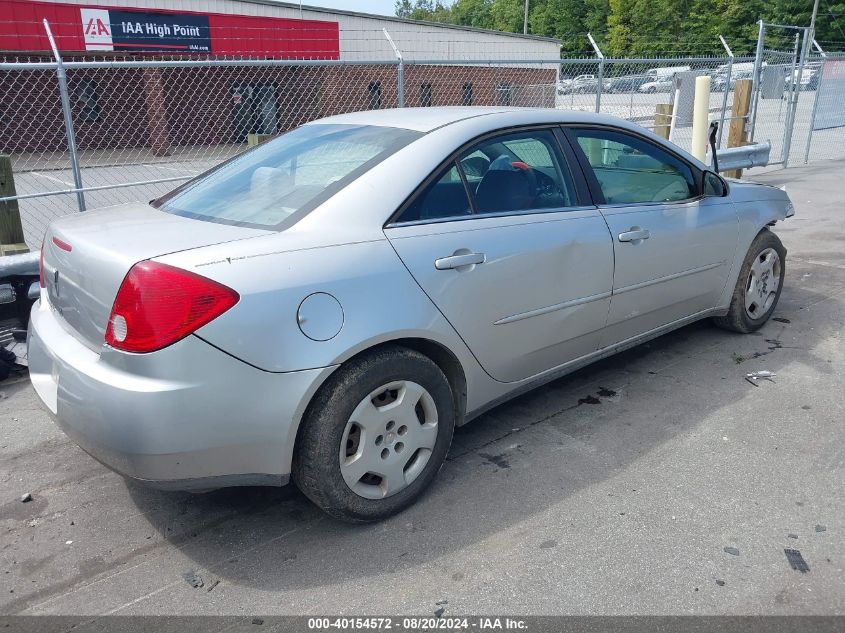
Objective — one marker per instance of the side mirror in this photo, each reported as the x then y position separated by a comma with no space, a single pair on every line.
714,186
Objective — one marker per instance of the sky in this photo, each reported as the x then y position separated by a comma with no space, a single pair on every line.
381,7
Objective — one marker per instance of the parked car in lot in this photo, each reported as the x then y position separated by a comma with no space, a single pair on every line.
666,71
809,78
328,306
627,83
661,79
666,84
727,74
720,81
580,85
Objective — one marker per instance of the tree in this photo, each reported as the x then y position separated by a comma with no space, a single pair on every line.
595,17
403,8
508,15
476,13
830,25
561,19
738,23
620,37
642,27
431,10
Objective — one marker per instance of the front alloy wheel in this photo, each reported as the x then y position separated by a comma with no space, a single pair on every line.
763,283
758,286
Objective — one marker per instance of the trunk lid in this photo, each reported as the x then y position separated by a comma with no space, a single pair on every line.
86,257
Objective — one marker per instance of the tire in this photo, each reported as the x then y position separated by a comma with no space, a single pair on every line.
749,310
347,422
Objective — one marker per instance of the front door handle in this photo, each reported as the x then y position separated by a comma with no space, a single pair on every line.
459,261
636,235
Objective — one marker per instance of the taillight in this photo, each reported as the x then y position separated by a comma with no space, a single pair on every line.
158,305
41,267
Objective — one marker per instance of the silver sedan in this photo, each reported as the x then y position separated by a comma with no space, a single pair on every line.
327,307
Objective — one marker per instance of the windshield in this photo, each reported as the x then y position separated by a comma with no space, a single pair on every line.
293,174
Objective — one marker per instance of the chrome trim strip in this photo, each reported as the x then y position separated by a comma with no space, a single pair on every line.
683,273
496,214
558,306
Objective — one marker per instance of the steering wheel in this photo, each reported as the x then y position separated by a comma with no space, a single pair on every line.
530,175
544,186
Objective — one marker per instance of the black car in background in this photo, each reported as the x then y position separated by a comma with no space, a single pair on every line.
628,83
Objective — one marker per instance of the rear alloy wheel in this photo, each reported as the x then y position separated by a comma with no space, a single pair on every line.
375,436
388,439
758,287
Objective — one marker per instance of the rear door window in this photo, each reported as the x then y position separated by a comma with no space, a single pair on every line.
516,172
445,197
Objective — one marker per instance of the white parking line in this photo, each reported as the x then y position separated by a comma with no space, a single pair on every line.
58,180
188,171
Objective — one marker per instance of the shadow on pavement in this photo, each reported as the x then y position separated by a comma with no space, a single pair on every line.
514,462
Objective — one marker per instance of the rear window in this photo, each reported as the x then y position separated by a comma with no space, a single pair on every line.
288,176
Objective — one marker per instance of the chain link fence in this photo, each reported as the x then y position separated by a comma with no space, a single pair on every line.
825,89
142,126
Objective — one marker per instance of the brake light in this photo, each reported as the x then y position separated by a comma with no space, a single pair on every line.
158,305
41,267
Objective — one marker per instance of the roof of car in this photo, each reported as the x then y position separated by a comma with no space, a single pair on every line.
428,119
492,118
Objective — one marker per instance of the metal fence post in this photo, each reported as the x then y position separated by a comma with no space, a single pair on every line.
61,76
758,65
400,71
727,90
794,94
816,102
600,75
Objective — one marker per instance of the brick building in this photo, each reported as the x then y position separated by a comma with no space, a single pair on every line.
120,105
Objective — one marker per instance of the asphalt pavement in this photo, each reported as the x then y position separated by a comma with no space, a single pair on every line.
658,481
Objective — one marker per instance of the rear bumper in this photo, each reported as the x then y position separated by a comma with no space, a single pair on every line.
186,417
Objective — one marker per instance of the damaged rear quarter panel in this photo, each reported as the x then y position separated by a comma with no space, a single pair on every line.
379,298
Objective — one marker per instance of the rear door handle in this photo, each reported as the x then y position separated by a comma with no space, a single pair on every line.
634,235
459,261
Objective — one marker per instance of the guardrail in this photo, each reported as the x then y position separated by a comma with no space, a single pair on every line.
744,157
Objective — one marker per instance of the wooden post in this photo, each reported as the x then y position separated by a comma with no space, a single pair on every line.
253,139
663,119
737,133
11,229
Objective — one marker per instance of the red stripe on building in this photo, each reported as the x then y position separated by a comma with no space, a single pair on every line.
21,30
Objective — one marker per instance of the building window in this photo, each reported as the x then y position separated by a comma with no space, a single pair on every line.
89,100
374,95
425,95
466,97
503,94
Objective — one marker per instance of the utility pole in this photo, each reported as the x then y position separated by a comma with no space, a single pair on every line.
525,20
